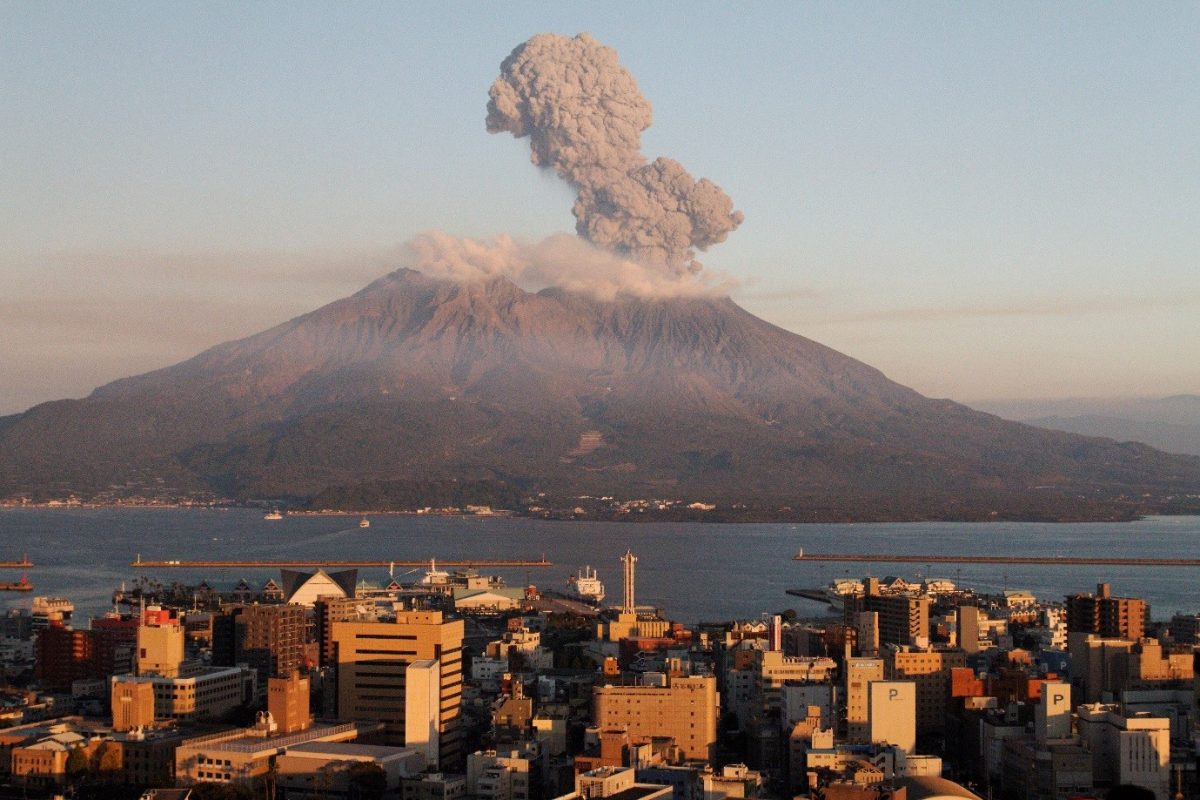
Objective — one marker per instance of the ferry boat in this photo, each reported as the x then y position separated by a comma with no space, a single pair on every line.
834,595
274,513
364,523
586,586
434,576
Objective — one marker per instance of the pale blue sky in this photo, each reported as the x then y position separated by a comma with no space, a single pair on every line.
982,200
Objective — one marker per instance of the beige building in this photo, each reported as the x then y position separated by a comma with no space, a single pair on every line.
1098,664
1132,749
685,709
930,669
968,628
159,646
775,669
422,709
373,660
287,702
1052,716
206,693
903,618
615,782
892,714
242,755
504,775
323,769
1150,667
132,705
860,672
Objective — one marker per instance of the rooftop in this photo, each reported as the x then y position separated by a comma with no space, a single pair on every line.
244,740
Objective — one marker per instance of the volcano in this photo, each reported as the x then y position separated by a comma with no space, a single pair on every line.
421,379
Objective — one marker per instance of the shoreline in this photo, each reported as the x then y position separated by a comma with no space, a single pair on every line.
634,517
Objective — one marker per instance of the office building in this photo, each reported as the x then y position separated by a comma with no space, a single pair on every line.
373,660
269,638
683,708
892,717
203,693
903,619
159,643
1107,616
240,756
930,669
132,705
1133,749
1052,717
288,703
62,656
326,611
860,672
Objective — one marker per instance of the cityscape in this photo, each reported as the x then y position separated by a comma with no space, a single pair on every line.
599,401
323,683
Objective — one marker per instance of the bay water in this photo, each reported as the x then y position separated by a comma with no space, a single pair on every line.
694,572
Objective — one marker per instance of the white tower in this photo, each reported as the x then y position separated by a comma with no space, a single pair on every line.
629,560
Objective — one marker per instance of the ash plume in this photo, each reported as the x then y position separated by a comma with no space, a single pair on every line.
584,116
561,260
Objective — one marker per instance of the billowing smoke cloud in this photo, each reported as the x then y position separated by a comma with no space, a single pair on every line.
584,116
563,260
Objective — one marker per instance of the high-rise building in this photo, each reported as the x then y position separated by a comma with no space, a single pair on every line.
422,709
1107,616
269,638
372,673
968,628
930,669
866,633
1129,749
903,618
326,611
860,673
159,643
685,709
61,656
772,669
892,714
115,640
1052,716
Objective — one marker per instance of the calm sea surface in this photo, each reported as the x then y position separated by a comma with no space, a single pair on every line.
694,572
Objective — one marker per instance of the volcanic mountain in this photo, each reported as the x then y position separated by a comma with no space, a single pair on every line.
421,379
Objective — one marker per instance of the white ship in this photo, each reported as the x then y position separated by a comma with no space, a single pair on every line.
273,514
586,586
435,576
364,523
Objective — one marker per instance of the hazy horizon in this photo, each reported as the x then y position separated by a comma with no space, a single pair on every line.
985,204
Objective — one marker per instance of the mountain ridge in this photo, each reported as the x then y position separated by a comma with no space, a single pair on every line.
418,378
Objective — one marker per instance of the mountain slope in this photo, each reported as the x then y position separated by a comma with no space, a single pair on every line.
1171,424
416,378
